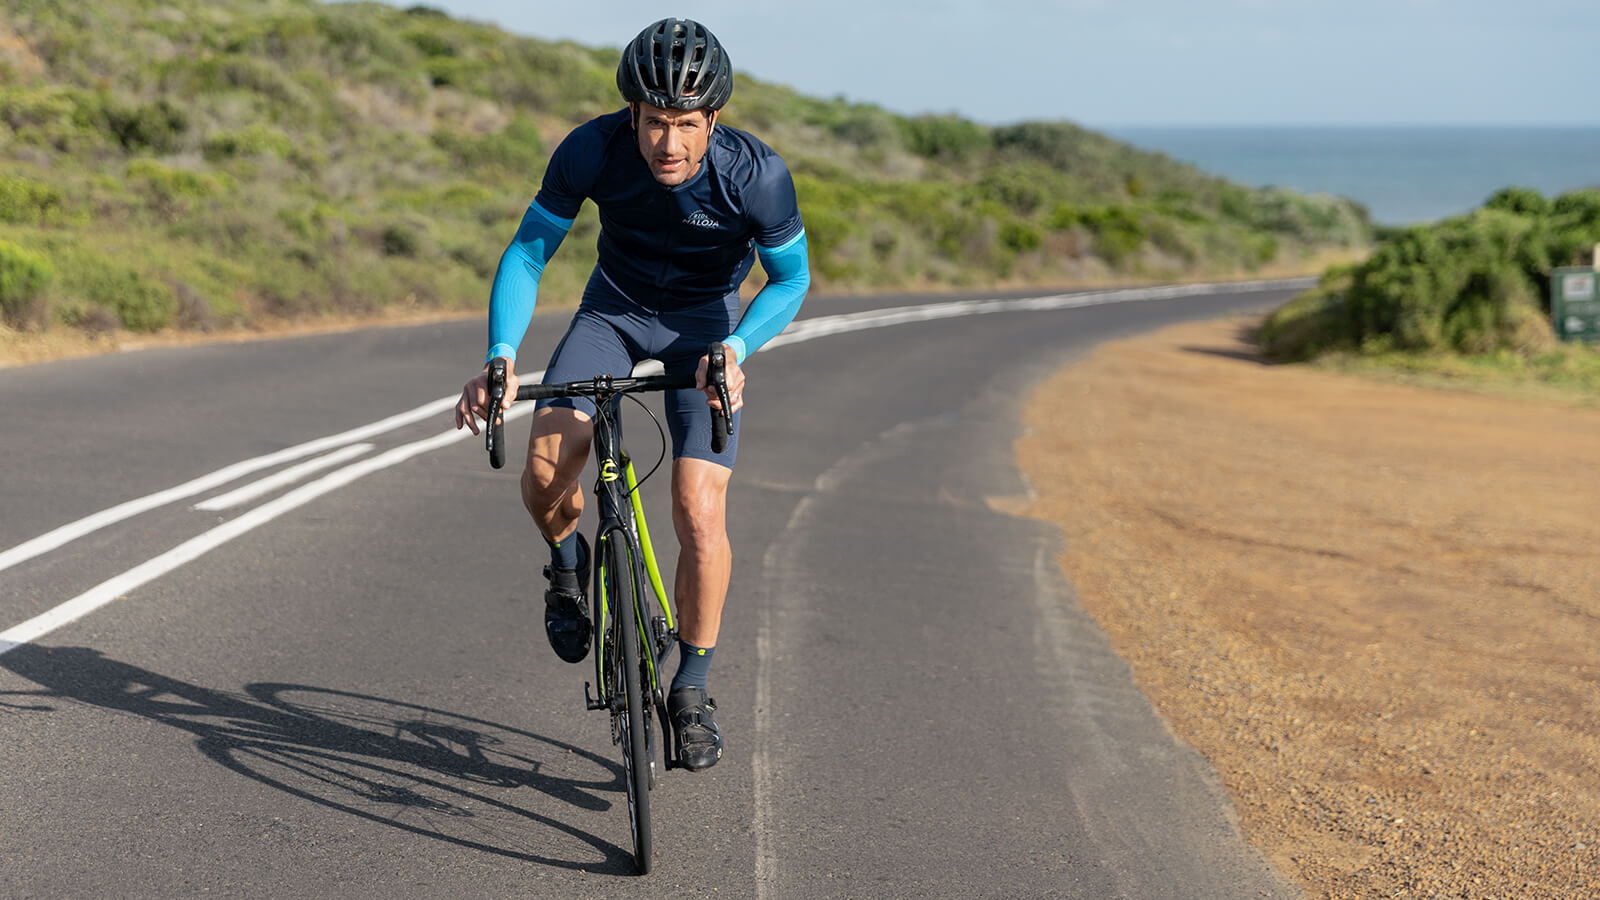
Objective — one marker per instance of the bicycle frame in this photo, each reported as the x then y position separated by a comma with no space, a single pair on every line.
621,513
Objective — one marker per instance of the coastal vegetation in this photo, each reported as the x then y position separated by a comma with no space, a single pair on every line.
206,164
1464,299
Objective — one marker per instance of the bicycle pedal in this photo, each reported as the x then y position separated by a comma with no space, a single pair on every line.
592,703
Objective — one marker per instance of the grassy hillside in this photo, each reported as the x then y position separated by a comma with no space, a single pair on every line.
219,163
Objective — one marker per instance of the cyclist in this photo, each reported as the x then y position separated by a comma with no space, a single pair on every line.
686,206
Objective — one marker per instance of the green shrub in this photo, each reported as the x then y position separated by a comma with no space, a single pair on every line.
431,41
1265,250
46,117
826,233
24,110
26,201
1116,229
264,79
23,276
92,318
1492,311
399,240
1060,144
256,140
515,148
1313,322
476,256
157,126
355,37
1020,237
944,137
451,71
171,192
1472,284
1519,200
1064,216
273,37
140,302
1022,188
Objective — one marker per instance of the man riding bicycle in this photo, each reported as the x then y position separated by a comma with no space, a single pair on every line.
686,205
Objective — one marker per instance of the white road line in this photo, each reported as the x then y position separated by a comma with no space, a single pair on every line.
778,564
760,757
48,541
288,476
193,548
107,591
810,329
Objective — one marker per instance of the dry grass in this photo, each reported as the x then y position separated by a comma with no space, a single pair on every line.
1372,607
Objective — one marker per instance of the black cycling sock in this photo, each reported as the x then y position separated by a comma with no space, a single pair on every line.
564,553
694,664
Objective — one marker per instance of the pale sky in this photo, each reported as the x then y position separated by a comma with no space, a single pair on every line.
1105,63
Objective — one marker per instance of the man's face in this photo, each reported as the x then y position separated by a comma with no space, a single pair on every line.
673,141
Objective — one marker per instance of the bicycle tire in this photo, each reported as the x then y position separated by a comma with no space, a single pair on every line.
622,594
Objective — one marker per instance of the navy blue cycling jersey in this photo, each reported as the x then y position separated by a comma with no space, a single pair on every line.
673,246
661,247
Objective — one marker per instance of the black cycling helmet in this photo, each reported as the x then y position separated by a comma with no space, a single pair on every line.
676,64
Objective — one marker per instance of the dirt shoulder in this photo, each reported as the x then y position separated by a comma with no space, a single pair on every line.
1374,608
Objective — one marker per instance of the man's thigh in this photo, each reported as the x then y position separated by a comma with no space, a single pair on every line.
558,444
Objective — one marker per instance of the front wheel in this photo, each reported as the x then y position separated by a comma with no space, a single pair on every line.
622,596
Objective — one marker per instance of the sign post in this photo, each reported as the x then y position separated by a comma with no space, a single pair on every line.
1575,303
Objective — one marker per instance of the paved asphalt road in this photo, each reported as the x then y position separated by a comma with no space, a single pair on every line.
355,698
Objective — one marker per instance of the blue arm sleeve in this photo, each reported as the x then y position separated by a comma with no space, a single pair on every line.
774,307
516,282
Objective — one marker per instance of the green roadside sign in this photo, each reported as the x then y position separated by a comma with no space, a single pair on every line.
1575,303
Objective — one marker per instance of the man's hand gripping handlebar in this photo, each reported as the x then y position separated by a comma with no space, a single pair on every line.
601,388
494,438
717,377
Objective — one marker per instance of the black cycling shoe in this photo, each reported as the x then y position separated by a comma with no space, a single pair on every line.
694,733
566,611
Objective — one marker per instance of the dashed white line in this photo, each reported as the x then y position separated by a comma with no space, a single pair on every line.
71,531
107,591
288,476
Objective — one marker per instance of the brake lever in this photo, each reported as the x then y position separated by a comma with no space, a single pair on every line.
717,374
495,431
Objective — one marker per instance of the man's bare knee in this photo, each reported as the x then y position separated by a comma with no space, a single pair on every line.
699,503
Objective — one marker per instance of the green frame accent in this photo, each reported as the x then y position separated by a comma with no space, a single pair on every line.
641,622
650,566
652,569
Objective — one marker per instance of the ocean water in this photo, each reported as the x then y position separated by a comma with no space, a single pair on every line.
1402,175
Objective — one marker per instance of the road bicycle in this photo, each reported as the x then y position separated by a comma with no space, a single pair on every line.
633,627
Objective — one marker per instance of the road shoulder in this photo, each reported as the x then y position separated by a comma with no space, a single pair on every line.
1370,607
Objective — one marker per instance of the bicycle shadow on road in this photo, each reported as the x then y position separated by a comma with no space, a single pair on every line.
422,770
